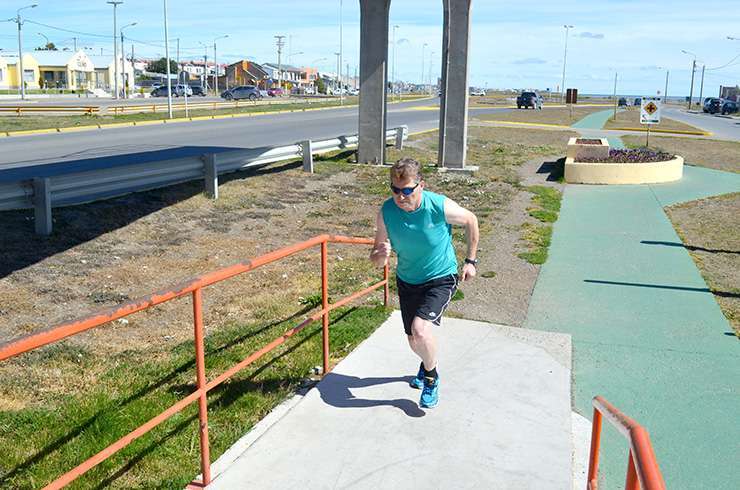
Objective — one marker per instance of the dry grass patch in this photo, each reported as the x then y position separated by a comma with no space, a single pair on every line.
710,230
549,115
716,154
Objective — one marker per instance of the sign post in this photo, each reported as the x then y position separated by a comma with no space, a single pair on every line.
650,114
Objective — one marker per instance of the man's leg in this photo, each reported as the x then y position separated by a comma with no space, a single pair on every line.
422,342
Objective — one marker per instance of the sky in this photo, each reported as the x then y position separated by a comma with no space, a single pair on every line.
513,44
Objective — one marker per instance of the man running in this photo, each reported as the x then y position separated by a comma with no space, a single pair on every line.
416,223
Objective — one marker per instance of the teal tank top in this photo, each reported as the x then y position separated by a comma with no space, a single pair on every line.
422,239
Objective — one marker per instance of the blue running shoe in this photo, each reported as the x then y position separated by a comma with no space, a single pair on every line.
430,393
418,381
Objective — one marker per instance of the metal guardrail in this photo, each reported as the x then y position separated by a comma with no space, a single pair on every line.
642,467
35,109
180,106
42,193
194,288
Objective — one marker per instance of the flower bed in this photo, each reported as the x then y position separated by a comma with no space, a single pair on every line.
588,141
640,155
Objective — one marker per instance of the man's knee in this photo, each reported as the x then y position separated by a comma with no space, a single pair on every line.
421,328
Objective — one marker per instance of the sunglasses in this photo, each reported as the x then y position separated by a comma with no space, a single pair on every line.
406,191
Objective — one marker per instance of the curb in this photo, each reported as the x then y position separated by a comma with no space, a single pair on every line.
515,123
72,129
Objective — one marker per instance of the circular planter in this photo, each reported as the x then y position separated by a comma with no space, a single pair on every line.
623,173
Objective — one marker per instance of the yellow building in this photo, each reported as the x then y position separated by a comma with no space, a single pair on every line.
61,69
10,78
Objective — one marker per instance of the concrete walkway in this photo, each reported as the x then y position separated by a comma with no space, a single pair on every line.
503,422
647,332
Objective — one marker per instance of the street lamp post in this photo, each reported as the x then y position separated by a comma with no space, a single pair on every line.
215,61
693,69
123,63
115,4
422,64
45,39
431,89
167,60
393,74
565,57
19,21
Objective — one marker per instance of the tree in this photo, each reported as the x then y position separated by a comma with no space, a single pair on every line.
320,85
47,47
160,66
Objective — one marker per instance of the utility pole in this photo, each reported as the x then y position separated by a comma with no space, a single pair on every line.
615,97
691,91
665,92
115,4
167,57
280,43
431,89
701,86
422,65
340,54
215,62
123,60
19,21
339,74
393,66
565,57
75,41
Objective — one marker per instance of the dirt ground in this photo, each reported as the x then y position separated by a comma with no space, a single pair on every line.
106,253
710,230
552,115
631,119
716,154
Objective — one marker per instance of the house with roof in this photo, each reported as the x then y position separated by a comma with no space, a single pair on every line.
62,69
245,72
104,73
290,76
10,79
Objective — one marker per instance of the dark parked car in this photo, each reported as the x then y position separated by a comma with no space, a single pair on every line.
638,101
162,91
198,90
712,105
622,102
242,92
529,99
729,107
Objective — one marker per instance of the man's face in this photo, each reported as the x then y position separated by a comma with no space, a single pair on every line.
409,202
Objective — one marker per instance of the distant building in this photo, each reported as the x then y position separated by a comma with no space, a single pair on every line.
245,72
731,93
291,76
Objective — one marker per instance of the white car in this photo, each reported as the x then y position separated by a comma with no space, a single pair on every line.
181,89
477,92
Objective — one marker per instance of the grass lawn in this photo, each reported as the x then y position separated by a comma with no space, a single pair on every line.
631,119
717,154
710,231
552,115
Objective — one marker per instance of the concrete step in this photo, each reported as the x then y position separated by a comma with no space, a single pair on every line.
503,421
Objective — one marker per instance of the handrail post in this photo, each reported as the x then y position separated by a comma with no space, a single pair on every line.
631,482
200,369
593,462
386,288
325,303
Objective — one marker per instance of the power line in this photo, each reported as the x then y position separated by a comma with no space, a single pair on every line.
68,30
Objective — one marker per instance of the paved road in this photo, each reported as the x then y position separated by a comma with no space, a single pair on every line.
104,103
209,136
721,127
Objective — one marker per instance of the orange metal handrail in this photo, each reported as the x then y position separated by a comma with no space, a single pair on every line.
642,466
195,287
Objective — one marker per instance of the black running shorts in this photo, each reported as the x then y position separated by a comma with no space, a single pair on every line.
427,300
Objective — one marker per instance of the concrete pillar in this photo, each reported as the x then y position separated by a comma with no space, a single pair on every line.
210,167
373,79
307,150
453,114
42,205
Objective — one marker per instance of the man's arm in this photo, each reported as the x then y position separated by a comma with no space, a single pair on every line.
458,215
382,247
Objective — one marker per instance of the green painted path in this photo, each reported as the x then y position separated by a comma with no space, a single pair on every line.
647,333
594,121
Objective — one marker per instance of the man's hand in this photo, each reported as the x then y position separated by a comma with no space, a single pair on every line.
380,253
468,272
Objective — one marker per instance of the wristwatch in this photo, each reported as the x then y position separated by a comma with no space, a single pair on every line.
474,262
